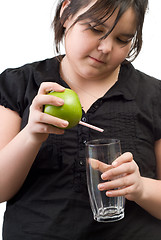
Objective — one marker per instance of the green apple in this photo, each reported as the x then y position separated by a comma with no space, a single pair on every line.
71,110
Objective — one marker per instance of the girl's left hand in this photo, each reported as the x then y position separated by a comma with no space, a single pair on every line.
125,179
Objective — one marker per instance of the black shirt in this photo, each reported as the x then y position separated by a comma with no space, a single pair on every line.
53,202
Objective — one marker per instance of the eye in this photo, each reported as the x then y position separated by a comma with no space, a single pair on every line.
124,41
96,29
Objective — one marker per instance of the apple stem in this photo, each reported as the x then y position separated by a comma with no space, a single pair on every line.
91,126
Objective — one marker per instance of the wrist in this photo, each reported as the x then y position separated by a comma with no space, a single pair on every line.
148,186
35,138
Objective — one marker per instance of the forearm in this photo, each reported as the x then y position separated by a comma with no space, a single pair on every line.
150,199
16,159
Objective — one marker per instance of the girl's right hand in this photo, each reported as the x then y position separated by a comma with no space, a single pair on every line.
41,124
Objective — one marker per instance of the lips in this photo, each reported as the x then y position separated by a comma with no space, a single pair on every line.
97,60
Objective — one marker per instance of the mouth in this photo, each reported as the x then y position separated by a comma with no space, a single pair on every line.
97,60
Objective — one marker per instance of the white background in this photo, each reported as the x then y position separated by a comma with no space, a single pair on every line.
26,36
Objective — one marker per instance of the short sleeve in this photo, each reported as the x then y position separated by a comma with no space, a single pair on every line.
157,112
13,85
12,89
18,86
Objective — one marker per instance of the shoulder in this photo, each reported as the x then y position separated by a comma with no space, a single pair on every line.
142,81
137,74
136,84
149,88
45,63
33,71
18,86
147,79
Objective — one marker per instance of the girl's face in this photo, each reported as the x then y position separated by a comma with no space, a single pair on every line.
91,57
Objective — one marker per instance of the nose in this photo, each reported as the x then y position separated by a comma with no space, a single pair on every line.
105,45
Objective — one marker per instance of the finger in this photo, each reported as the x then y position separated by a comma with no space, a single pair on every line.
125,157
98,165
51,120
48,129
120,182
47,87
122,170
126,192
40,100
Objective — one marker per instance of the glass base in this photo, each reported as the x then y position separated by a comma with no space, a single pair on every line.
109,215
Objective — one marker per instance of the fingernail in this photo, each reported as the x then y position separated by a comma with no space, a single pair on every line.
103,176
115,163
65,123
60,101
108,193
100,186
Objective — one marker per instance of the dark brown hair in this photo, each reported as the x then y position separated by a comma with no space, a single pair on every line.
101,11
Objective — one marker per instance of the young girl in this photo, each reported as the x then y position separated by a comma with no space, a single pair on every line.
42,166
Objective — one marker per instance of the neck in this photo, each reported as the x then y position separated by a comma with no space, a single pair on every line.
71,77
88,90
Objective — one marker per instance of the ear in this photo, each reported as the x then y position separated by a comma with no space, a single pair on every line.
65,4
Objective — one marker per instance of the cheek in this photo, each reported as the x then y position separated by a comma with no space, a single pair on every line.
79,42
73,47
78,46
127,49
121,53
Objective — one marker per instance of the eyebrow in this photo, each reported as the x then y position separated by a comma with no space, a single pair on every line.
129,35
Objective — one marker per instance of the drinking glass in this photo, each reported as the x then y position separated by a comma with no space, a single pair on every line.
100,154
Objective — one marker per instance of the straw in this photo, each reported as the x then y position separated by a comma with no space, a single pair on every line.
91,126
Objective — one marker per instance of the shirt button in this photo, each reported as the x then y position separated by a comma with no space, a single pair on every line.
81,163
84,119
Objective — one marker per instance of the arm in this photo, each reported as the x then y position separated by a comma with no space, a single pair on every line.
15,161
19,148
145,192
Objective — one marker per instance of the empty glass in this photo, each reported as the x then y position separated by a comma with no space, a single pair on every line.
99,156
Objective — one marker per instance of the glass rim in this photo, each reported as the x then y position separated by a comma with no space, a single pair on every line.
102,142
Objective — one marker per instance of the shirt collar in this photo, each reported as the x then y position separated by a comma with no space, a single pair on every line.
127,83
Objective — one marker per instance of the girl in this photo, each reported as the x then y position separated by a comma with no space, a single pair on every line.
42,166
